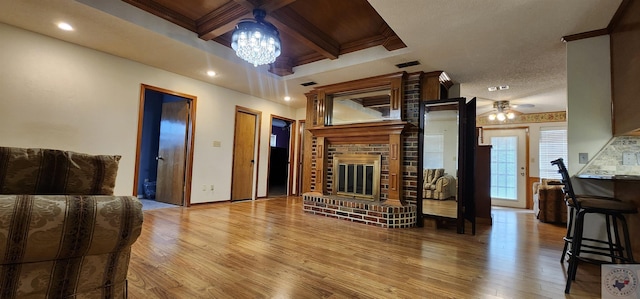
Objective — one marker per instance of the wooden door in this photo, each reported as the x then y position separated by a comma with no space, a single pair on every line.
243,156
172,152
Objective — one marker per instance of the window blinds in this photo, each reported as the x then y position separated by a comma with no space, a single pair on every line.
553,145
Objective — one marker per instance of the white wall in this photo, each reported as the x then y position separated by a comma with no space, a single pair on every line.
589,98
59,95
589,115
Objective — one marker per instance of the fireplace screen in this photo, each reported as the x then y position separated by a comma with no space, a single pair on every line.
357,176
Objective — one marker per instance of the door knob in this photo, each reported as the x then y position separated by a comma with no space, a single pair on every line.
158,158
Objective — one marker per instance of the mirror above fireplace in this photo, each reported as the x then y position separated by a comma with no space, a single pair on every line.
371,99
360,107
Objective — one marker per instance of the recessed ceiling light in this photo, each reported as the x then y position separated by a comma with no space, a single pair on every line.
65,26
493,88
503,87
211,73
287,98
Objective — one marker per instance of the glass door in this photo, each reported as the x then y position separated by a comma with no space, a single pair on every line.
508,166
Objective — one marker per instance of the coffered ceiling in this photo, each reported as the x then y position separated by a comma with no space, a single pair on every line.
310,30
478,43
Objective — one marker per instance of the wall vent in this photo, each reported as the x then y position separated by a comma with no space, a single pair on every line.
407,64
308,83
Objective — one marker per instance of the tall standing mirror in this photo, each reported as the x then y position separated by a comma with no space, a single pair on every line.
446,154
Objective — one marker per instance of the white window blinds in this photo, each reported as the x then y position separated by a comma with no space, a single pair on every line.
433,151
553,145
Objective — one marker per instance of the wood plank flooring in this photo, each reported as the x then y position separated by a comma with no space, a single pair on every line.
271,249
444,208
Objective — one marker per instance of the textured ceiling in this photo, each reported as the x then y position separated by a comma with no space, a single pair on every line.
478,43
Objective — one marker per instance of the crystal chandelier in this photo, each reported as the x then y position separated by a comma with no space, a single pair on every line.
501,106
256,41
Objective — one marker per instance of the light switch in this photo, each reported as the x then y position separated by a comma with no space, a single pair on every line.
217,143
583,158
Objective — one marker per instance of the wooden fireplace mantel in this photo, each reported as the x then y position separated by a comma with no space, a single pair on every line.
384,132
375,132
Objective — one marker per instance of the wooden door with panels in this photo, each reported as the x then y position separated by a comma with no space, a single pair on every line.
172,152
164,153
244,154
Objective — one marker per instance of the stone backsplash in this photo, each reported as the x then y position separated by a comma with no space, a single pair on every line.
621,156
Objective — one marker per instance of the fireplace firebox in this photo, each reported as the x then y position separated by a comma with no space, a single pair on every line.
357,176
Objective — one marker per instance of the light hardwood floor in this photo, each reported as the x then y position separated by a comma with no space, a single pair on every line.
271,249
444,208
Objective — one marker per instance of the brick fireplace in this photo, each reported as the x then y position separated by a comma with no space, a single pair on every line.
398,150
361,144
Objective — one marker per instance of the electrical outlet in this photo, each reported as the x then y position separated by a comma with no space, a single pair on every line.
204,187
629,158
212,187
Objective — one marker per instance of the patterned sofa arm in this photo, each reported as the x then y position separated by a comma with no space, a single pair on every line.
59,246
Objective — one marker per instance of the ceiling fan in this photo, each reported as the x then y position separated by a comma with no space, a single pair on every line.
504,110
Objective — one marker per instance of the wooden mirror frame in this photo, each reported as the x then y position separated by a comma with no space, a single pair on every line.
320,99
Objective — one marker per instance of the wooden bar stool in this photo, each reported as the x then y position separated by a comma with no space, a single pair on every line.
613,210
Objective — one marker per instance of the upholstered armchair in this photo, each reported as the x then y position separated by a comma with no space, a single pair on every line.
62,232
438,185
548,201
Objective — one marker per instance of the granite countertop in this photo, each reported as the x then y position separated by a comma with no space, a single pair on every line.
609,177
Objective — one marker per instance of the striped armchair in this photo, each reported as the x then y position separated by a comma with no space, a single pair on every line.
62,232
438,185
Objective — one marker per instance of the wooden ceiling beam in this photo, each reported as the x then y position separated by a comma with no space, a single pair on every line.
225,18
221,20
392,40
288,21
274,5
376,101
282,66
267,6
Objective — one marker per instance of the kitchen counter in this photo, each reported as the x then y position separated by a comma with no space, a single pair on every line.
609,177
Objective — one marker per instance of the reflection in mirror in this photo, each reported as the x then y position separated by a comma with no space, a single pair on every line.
360,107
440,160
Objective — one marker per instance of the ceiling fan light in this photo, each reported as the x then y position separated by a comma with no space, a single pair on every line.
510,115
492,117
256,41
501,116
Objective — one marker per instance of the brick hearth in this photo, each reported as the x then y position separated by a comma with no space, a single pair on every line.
360,211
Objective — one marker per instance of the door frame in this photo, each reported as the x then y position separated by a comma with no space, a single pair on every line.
300,156
291,152
191,125
527,131
256,151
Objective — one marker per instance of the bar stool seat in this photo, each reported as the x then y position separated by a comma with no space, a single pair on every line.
596,205
612,209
